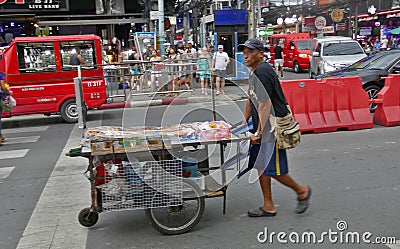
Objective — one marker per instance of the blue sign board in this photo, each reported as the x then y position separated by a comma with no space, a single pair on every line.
179,21
230,17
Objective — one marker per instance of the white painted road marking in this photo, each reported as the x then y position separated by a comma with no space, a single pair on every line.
24,129
9,154
5,172
54,222
21,140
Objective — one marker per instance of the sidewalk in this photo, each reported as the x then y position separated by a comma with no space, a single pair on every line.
126,99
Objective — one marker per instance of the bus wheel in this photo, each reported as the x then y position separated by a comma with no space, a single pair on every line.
69,111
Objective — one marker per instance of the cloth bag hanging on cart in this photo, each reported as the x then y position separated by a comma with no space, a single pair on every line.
287,130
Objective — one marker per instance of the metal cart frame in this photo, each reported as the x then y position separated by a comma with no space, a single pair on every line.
189,190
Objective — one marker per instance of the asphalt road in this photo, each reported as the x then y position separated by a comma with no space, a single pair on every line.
28,156
354,176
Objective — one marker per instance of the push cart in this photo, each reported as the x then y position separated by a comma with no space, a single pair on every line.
157,178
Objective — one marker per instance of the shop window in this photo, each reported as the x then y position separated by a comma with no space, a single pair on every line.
34,57
70,51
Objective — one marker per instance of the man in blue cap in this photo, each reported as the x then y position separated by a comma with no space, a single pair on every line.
266,97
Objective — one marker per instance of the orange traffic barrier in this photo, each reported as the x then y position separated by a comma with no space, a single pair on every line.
329,104
387,112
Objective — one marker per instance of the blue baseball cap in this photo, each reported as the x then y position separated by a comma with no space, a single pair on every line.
252,44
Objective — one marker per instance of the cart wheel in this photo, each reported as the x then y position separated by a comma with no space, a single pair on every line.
88,218
179,219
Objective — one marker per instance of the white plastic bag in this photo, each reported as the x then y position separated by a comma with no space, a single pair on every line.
244,145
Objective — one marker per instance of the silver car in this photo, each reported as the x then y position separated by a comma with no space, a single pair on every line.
333,53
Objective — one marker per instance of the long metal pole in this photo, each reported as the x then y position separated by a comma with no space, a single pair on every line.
185,25
161,32
251,24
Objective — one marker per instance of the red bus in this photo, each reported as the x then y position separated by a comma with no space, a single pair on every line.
296,48
42,81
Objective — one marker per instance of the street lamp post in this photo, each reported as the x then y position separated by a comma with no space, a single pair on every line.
161,34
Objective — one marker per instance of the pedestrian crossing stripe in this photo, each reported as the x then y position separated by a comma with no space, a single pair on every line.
24,129
21,140
8,154
5,172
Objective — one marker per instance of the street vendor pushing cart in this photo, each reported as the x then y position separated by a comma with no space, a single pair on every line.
266,97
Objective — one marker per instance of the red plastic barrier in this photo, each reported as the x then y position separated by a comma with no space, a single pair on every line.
387,112
329,104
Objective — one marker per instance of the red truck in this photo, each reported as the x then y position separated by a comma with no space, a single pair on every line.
296,48
42,81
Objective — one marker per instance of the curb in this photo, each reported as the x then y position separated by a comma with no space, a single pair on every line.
114,105
158,102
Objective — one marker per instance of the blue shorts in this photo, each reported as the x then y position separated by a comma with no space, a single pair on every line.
268,158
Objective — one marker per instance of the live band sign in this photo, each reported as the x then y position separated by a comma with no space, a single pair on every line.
33,5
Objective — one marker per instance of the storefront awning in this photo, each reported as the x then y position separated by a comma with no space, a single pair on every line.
91,22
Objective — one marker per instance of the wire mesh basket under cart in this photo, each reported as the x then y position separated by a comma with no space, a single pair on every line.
173,204
167,177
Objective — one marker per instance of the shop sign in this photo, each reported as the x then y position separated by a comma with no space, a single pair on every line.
320,22
265,32
172,20
340,26
337,15
209,18
33,5
16,1
366,19
393,15
308,24
328,30
372,10
365,30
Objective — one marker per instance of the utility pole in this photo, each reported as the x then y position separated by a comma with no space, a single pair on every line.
185,24
161,33
251,23
356,22
195,26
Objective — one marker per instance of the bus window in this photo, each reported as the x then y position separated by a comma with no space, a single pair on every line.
36,57
70,51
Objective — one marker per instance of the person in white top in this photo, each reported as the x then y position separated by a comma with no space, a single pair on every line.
191,54
219,64
384,43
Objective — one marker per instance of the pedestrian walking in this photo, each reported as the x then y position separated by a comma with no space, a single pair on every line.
4,92
156,68
219,65
190,57
279,56
175,72
203,69
266,97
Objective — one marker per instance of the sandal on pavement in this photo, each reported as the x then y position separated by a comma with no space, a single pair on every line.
304,203
259,212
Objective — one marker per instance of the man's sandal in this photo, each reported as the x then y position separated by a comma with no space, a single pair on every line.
260,212
303,204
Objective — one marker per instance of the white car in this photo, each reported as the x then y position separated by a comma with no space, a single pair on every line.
333,53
